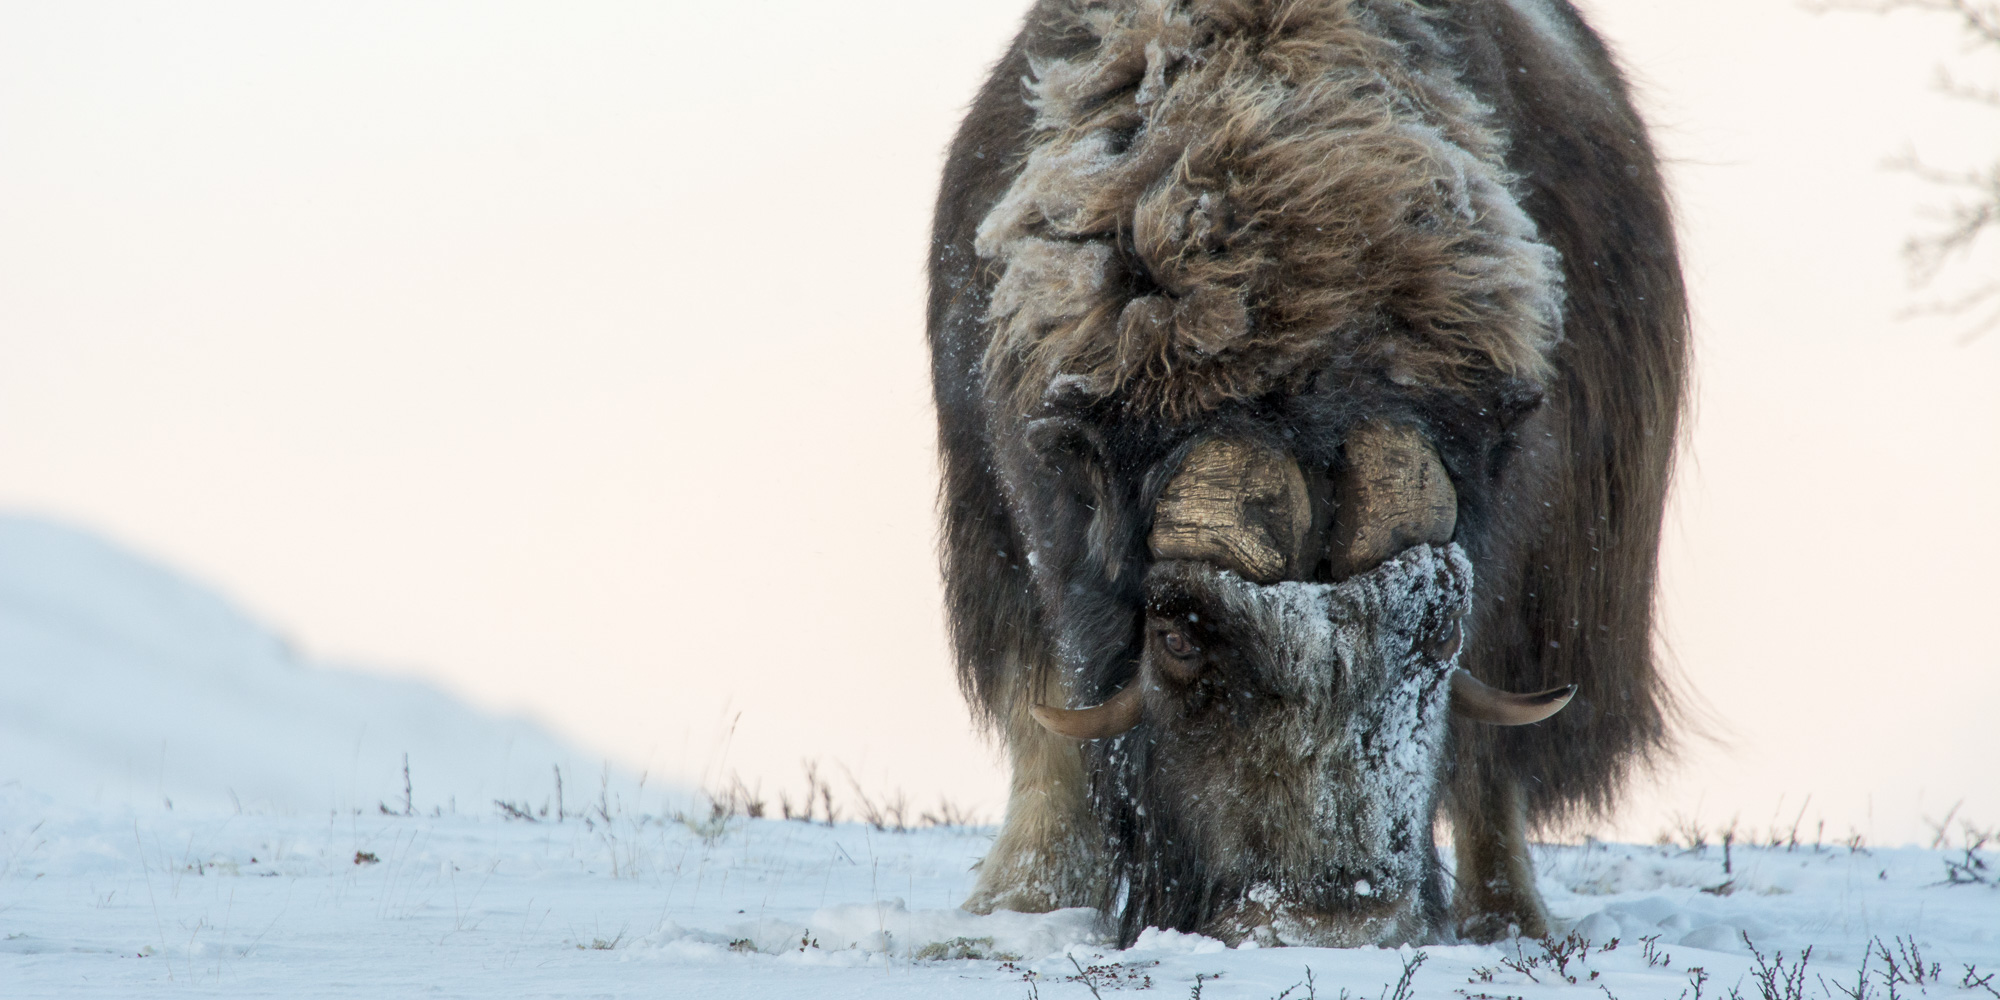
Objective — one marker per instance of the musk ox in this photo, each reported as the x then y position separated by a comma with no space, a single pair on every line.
1308,374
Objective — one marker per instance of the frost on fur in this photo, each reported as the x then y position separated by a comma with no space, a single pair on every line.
1300,796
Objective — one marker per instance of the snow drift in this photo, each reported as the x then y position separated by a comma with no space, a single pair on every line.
124,682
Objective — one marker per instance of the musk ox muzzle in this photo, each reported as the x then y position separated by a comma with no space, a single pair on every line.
1276,758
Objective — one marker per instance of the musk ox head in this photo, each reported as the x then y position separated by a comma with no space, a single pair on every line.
1272,767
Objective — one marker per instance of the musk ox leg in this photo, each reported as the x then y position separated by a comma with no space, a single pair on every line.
1496,895
1046,856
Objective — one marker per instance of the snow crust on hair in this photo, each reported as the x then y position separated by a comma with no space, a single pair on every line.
1223,196
1370,726
1302,811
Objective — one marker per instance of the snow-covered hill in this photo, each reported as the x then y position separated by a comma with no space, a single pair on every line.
122,682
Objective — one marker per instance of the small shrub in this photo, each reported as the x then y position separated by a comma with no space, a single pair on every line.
1774,980
980,949
1974,981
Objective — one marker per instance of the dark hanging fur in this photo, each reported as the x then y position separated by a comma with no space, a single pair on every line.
1214,253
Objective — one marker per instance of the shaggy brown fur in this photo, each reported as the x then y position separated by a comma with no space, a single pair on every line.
1220,197
1279,219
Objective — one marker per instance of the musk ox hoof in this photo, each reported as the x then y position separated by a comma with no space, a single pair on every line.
1488,927
1025,880
1018,898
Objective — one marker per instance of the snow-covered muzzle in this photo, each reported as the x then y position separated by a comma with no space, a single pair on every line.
1282,775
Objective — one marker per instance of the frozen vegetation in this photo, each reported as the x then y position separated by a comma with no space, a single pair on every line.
185,808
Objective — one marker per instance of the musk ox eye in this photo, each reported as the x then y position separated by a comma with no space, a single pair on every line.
1445,646
1177,644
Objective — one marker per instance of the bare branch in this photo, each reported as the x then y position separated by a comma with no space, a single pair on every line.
1974,209
1980,20
1965,220
1959,307
1950,86
1952,307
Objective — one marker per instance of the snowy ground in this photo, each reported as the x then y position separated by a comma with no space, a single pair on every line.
186,807
97,902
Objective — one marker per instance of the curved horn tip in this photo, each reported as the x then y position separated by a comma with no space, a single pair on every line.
1116,715
1474,699
1562,694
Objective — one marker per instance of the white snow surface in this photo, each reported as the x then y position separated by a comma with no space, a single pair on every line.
252,857
143,901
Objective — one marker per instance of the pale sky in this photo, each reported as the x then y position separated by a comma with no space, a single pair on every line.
571,356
